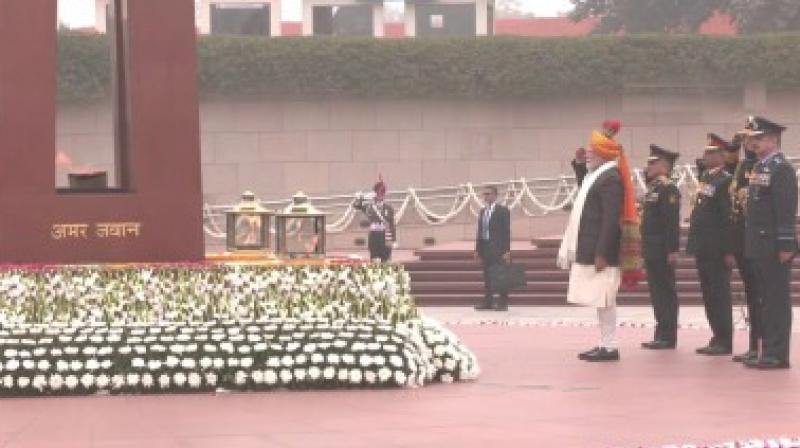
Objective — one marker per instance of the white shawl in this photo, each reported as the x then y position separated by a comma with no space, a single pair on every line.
569,244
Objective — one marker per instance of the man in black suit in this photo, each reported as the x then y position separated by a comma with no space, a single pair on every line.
710,233
493,246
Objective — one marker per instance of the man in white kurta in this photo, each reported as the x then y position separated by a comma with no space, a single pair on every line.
590,249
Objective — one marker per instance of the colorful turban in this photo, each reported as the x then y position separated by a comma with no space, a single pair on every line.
630,251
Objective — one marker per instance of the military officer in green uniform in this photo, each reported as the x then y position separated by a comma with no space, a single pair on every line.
660,245
709,242
741,170
770,239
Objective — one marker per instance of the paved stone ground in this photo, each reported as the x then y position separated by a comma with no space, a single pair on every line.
533,392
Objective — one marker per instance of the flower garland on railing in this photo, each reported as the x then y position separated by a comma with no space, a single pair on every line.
519,194
136,295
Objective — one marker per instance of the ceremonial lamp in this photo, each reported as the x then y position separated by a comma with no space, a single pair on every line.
248,225
300,230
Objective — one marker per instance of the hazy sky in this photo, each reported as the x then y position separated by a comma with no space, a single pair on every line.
80,13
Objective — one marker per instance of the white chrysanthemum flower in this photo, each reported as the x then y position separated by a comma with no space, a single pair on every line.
333,358
450,364
179,379
384,374
348,359
258,377
23,382
317,358
273,361
371,377
43,365
147,381
206,363
246,363
314,373
447,378
400,378
396,361
356,376
211,379
164,381
125,350
102,381
71,382
270,377
138,363
233,362
61,366
56,382
39,382
286,376
87,381
28,364
106,364
117,381
195,380
132,379
172,362
287,361
365,360
188,363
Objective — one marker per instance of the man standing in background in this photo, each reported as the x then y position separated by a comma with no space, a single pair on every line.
493,246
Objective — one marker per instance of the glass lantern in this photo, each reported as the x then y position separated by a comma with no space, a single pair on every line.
300,230
248,225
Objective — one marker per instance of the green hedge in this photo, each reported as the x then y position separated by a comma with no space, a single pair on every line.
498,67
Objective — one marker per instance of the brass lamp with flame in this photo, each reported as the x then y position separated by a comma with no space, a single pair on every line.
248,225
300,230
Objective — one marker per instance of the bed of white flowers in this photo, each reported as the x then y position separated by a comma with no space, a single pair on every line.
264,328
191,293
784,442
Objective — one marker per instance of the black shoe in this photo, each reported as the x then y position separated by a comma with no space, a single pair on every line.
766,363
750,355
659,345
583,356
603,355
714,350
502,304
486,305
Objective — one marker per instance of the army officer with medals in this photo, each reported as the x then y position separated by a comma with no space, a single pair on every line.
709,242
741,169
660,245
770,239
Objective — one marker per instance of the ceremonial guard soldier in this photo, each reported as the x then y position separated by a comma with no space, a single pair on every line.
709,234
382,237
660,245
741,170
770,239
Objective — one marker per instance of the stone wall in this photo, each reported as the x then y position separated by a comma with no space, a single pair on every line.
275,147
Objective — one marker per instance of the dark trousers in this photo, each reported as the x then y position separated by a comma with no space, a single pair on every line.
664,295
773,279
378,250
747,272
715,282
489,259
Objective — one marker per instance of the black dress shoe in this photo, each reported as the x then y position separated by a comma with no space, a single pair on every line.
766,363
586,354
486,305
603,355
658,345
714,350
501,305
746,356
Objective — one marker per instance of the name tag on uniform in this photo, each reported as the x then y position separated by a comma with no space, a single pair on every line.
760,180
651,197
377,227
706,190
